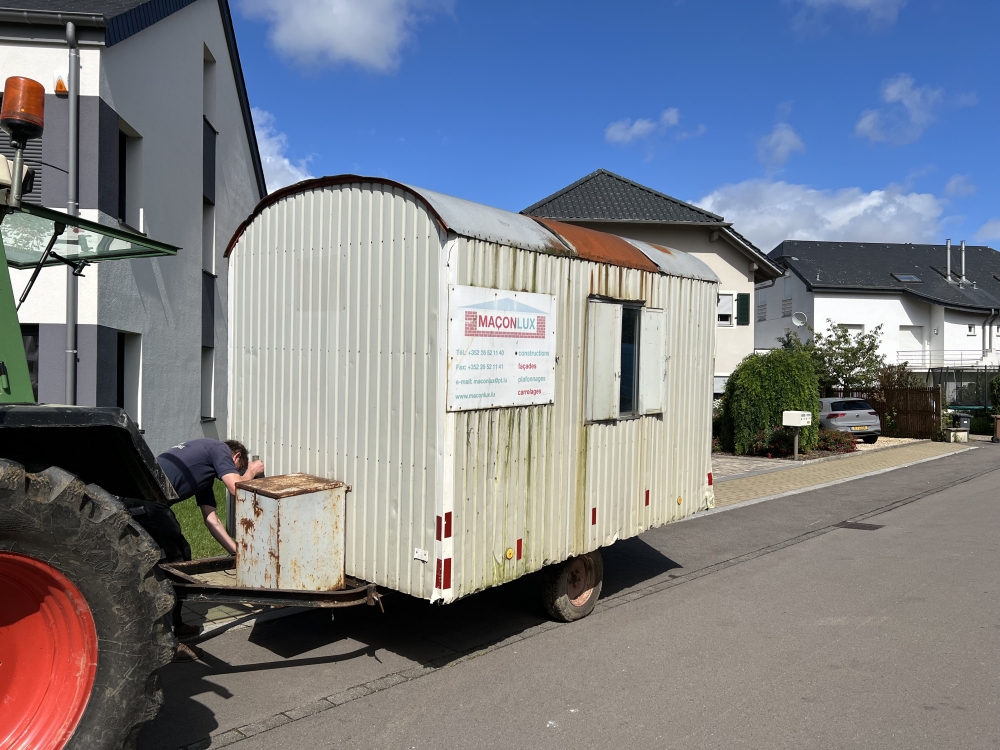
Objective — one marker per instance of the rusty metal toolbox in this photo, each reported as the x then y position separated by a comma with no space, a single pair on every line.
290,533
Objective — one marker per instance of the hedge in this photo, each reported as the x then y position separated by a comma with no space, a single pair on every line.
760,388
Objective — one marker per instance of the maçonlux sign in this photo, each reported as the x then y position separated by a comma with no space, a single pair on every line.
501,348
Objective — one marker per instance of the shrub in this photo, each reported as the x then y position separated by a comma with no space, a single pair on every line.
836,441
760,388
774,441
995,394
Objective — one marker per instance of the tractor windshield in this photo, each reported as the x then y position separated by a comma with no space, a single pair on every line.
27,231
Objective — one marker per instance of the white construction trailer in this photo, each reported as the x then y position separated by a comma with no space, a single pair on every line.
500,393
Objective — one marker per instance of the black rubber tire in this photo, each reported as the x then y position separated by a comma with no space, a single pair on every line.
870,439
89,536
557,582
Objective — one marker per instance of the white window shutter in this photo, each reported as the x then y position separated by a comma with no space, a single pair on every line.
652,361
604,361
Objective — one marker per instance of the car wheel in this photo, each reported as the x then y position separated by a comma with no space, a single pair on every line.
870,439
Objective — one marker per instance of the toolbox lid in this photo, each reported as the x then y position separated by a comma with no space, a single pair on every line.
288,485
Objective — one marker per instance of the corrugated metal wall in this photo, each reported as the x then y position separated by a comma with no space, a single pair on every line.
334,365
537,473
337,370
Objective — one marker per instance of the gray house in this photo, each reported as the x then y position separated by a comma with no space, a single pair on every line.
167,148
611,203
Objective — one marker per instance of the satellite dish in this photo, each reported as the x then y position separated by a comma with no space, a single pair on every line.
799,319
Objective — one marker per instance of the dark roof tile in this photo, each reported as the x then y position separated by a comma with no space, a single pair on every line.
869,267
606,196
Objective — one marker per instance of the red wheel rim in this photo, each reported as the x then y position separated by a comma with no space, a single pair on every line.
48,654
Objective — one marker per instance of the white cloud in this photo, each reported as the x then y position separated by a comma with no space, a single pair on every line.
958,186
878,11
768,212
279,170
910,112
989,231
776,148
696,133
369,33
626,131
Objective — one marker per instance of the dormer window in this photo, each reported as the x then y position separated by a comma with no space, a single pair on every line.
907,278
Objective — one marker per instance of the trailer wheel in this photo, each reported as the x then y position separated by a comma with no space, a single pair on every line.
573,587
82,626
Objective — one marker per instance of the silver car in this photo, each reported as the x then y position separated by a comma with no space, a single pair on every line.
850,415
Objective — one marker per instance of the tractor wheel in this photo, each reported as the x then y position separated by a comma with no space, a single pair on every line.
82,626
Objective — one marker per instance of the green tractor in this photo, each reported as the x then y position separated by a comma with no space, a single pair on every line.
82,599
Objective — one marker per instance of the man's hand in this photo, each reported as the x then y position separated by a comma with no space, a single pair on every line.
254,470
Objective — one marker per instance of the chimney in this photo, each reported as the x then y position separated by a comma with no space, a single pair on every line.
947,249
963,262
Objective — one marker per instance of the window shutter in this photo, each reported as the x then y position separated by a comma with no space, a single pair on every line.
604,361
652,361
742,309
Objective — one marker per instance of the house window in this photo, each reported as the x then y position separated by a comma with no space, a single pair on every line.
855,329
626,360
207,383
129,177
742,309
761,305
129,376
725,309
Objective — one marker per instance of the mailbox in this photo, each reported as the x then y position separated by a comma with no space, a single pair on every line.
796,418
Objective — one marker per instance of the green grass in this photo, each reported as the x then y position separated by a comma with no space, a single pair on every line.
193,524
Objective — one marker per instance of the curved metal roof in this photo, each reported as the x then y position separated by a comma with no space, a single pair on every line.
478,221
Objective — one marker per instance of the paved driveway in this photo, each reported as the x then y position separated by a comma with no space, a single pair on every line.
762,626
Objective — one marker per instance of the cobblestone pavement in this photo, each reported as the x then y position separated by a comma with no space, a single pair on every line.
822,473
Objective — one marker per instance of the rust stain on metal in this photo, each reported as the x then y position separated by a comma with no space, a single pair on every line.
600,246
288,485
247,525
662,248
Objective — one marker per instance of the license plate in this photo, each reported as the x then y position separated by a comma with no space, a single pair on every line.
859,429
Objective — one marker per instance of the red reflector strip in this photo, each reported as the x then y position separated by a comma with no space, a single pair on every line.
447,525
437,531
519,549
709,479
443,578
593,516
647,497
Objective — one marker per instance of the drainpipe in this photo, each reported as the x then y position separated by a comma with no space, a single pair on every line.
947,249
963,262
72,207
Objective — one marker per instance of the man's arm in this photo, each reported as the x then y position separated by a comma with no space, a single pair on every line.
255,469
216,529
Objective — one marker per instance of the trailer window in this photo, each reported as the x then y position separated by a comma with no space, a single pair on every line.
626,361
628,391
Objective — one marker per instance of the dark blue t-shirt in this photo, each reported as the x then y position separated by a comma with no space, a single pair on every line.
193,466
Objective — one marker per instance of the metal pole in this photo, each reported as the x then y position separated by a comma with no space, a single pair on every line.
72,208
796,456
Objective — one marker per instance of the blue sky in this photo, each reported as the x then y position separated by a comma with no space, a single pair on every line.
867,120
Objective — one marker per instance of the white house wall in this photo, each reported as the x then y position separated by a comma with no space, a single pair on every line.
869,311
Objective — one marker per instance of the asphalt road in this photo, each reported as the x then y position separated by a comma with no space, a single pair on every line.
760,627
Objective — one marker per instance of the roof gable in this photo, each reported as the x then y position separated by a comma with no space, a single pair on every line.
606,196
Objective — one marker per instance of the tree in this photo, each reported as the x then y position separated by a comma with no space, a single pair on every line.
760,388
841,358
